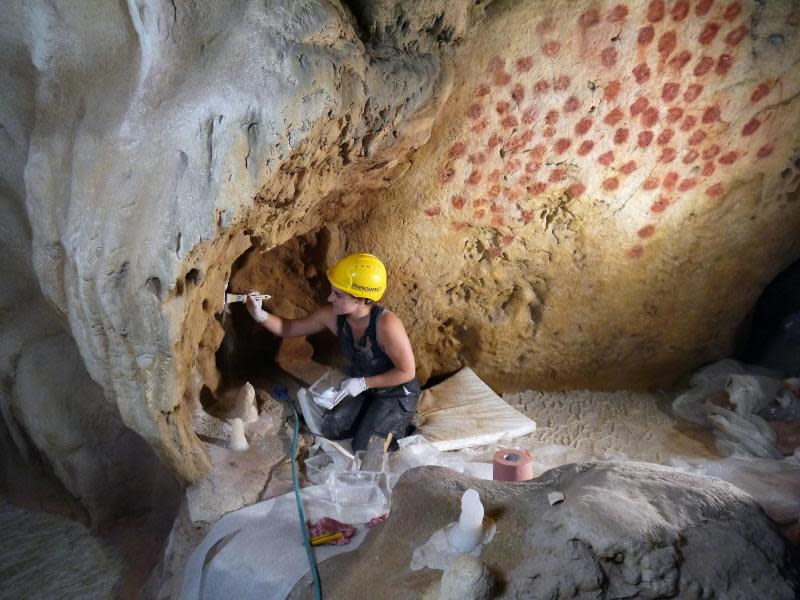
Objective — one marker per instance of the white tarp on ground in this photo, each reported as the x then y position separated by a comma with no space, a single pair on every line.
257,552
463,411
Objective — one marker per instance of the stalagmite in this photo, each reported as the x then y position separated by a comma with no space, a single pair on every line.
467,533
246,408
238,440
467,578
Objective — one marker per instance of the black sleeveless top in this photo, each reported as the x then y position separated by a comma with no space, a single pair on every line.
365,356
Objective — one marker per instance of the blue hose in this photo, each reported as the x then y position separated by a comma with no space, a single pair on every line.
281,393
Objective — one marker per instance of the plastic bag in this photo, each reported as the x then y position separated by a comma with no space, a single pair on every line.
752,393
715,376
324,390
689,405
786,408
416,451
753,435
312,413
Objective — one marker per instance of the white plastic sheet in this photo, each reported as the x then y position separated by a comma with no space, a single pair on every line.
715,375
739,431
752,461
257,552
752,393
689,406
749,436
312,412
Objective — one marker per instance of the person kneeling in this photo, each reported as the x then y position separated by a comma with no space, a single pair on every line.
381,392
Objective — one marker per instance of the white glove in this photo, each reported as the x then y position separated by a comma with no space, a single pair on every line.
253,303
350,387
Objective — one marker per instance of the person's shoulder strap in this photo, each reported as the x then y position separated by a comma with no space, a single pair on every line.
377,312
374,315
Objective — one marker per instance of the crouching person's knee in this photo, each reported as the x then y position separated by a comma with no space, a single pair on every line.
331,427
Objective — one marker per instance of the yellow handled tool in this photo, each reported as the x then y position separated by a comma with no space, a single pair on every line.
325,538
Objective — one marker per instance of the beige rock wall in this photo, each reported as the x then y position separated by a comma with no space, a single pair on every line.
607,191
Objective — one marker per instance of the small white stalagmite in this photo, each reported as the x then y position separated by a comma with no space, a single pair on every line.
238,440
246,408
468,535
468,532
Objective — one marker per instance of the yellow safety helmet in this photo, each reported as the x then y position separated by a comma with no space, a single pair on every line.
360,275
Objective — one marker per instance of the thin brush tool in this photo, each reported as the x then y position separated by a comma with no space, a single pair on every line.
231,298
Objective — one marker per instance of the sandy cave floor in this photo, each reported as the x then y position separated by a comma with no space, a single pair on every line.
601,425
604,425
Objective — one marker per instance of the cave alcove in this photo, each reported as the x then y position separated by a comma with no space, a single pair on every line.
774,338
292,273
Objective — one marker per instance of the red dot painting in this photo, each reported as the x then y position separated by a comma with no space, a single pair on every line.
653,114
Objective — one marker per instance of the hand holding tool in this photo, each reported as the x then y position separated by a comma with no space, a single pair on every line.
253,301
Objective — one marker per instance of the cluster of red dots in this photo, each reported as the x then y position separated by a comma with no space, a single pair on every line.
654,128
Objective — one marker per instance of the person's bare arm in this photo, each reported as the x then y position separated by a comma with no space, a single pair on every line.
317,321
394,341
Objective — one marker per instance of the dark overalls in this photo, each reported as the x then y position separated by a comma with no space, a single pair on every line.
377,411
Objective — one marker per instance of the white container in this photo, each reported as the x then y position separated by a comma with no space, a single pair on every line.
356,488
391,480
318,468
324,389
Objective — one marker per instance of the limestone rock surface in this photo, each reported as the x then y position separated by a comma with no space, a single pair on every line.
68,419
466,578
565,194
606,192
630,530
153,143
238,478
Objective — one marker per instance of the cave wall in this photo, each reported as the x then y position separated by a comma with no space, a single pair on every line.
565,194
156,142
608,190
55,415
